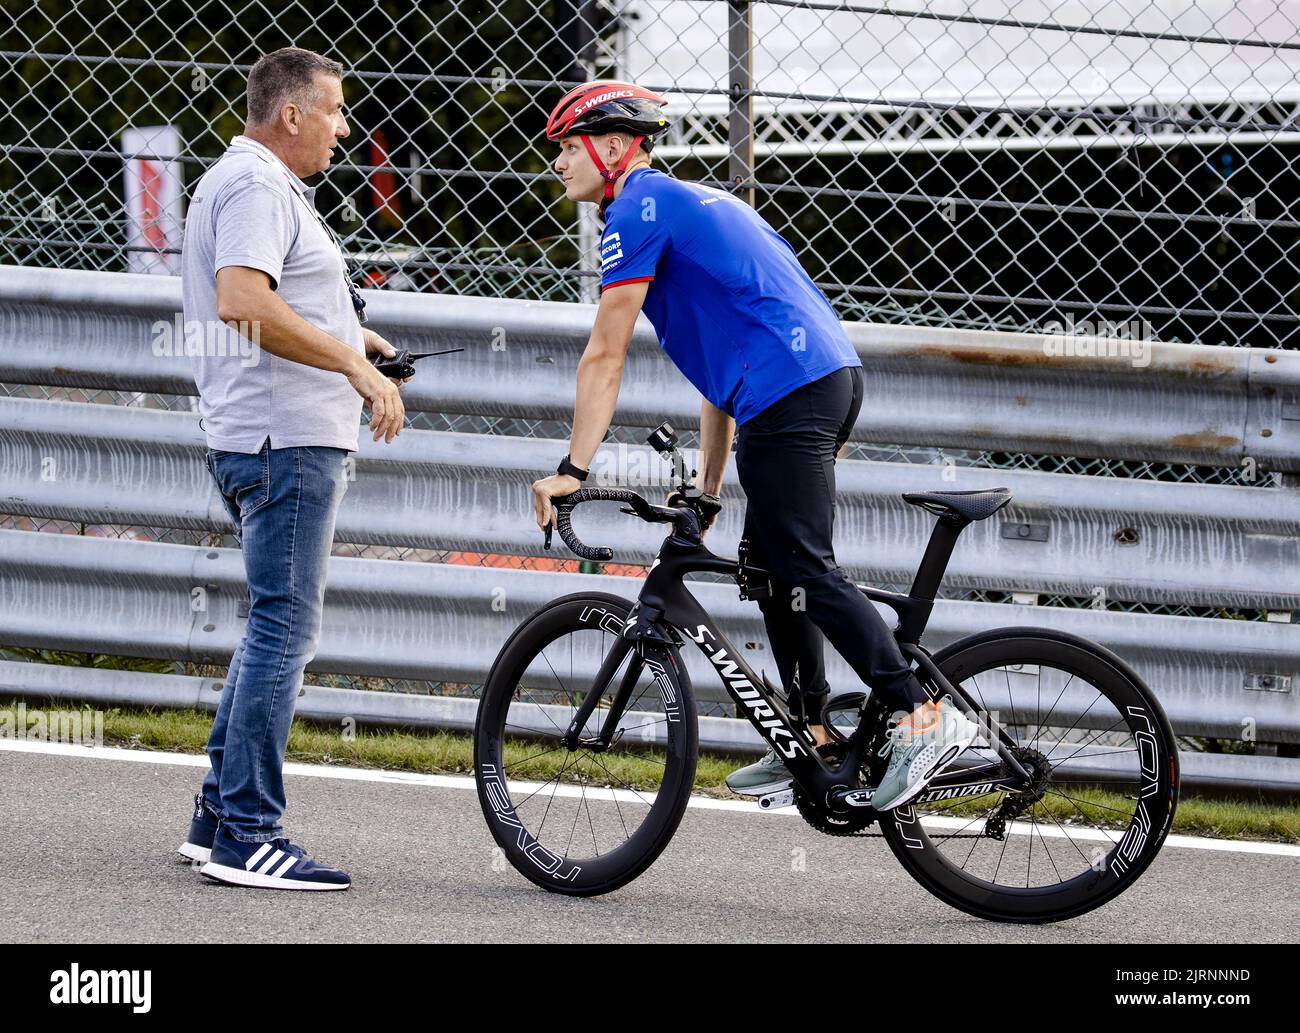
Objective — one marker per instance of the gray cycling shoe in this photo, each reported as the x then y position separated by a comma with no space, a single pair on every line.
919,747
769,775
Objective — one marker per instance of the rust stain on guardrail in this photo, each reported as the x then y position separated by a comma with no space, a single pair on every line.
987,356
1209,438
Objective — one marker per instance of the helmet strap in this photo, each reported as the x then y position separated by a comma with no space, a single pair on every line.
610,176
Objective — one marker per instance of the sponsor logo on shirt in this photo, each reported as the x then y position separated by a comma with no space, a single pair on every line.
716,195
611,250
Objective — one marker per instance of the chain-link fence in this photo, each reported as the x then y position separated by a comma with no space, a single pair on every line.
1120,169
1004,164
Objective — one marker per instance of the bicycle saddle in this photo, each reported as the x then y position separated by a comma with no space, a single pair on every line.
971,505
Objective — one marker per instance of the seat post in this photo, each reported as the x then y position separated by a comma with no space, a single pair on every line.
938,552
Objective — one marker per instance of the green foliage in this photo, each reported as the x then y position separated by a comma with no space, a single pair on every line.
101,661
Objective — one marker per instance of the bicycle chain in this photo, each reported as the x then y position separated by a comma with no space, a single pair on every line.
855,823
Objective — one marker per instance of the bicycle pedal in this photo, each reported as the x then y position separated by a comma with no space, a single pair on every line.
771,801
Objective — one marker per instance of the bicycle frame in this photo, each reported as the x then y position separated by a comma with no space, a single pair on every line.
665,601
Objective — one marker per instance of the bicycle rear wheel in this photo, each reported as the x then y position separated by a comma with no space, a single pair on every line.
1105,765
584,818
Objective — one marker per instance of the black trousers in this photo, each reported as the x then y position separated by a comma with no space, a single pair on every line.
785,457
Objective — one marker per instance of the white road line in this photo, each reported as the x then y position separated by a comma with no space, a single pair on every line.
704,803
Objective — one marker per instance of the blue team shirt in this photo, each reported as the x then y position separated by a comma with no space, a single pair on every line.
729,301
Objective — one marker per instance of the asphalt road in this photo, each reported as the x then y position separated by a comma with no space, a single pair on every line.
87,855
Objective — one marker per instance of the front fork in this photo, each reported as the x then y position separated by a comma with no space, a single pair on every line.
572,738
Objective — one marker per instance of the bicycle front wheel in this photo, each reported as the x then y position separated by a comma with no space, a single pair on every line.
1104,766
584,811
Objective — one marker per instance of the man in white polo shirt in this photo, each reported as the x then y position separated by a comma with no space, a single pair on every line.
282,377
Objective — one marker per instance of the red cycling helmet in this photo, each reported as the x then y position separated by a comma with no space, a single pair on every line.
608,106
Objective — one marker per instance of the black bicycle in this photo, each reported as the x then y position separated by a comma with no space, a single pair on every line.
587,734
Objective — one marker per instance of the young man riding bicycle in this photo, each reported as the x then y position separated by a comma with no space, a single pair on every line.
744,323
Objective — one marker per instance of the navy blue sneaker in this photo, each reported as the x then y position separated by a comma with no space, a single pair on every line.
203,827
278,864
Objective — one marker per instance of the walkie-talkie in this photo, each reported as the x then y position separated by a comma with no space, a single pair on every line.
402,365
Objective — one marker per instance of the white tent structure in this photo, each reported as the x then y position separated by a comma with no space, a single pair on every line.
918,78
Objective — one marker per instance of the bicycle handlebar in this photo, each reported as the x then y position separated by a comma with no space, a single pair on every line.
564,506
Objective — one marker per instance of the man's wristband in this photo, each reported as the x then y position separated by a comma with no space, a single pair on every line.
568,469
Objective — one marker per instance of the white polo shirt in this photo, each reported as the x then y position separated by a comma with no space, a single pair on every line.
249,209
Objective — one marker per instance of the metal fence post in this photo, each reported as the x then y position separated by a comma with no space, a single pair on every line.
575,25
740,118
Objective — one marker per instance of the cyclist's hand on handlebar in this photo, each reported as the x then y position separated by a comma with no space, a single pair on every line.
706,506
548,488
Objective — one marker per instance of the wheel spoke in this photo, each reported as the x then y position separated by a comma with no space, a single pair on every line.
1084,746
1001,854
1072,727
1066,833
1092,824
542,753
983,706
629,788
591,825
577,813
1034,828
551,801
971,852
1037,732
563,688
1052,708
542,709
1011,696
1029,857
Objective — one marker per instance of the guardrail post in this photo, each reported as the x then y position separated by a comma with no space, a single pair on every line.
740,76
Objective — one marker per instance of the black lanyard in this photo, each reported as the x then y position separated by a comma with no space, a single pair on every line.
358,302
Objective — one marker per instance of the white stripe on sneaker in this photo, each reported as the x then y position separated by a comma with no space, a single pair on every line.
289,863
261,852
269,863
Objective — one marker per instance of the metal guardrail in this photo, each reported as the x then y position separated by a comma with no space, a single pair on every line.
446,622
1132,540
954,388
331,706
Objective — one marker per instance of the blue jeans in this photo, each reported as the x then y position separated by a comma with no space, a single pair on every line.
284,502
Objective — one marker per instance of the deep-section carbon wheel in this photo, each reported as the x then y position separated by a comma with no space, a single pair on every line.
584,810
1104,767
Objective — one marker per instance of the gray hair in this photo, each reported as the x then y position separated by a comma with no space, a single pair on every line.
284,76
